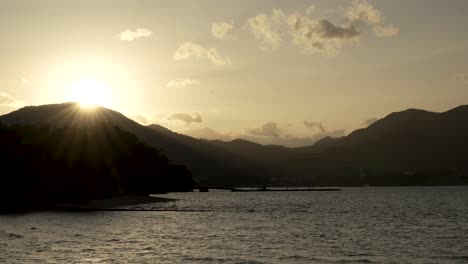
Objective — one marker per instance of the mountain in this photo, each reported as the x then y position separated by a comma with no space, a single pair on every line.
412,147
208,163
43,165
405,148
207,133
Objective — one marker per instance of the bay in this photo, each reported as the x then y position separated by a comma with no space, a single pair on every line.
355,225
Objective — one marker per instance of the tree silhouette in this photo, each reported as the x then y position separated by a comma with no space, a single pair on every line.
42,164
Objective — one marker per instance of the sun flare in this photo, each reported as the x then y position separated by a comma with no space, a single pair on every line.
90,93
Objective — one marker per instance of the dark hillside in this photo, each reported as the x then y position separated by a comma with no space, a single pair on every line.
42,165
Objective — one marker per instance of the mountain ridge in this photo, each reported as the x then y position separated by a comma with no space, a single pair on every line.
410,142
207,162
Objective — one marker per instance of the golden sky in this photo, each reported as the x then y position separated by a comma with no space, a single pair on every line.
275,72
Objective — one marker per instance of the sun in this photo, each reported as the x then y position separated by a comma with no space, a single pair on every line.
90,93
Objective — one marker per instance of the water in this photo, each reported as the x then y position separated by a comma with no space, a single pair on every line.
356,225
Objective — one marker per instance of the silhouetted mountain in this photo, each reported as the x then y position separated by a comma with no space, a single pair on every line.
404,148
413,147
209,164
212,164
42,165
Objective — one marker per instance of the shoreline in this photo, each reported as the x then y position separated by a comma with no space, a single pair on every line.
111,203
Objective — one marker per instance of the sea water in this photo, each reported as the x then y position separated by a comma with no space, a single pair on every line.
355,225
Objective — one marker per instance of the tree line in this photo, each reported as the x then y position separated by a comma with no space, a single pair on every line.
41,165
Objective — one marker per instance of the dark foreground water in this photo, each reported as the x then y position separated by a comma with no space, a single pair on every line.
356,225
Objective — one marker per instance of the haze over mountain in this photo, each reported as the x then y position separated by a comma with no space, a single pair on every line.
276,137
412,147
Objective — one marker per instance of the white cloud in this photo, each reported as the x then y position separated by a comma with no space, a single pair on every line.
150,118
129,35
141,119
362,11
319,125
270,134
270,129
320,36
181,83
188,50
221,29
192,50
324,37
267,136
6,100
386,31
295,141
187,118
266,29
165,119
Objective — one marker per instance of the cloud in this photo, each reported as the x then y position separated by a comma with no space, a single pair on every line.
187,118
271,134
266,29
268,134
181,83
129,35
311,124
192,50
221,29
320,36
6,100
269,129
291,140
151,118
169,120
141,119
324,37
363,12
386,31
370,121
